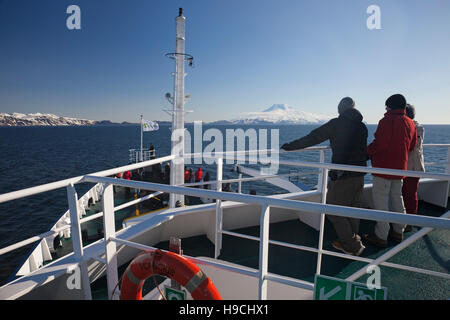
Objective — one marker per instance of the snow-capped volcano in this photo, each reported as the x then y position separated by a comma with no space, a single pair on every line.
278,108
281,114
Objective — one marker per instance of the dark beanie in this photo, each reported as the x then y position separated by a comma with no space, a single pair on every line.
397,101
346,103
410,111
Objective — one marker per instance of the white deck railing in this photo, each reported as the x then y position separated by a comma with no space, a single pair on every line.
110,239
138,155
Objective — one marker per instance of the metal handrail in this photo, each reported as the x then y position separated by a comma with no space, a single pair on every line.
265,177
351,212
64,183
91,178
53,232
75,180
346,256
50,233
267,203
136,155
223,154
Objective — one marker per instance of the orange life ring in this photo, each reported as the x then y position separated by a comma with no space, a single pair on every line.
170,265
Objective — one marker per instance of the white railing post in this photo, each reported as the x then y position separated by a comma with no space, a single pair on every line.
447,166
320,177
240,183
323,191
263,251
447,171
109,231
77,242
218,239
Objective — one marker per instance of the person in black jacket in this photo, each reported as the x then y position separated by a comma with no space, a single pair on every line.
348,139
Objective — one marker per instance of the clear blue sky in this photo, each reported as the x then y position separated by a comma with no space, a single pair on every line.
248,55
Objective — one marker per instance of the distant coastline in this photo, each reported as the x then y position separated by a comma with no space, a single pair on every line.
168,123
50,120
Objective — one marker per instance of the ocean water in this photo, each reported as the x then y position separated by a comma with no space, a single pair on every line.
32,156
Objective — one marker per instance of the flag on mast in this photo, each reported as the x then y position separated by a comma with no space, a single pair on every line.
149,125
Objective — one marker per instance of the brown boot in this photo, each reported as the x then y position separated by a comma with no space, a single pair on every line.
394,236
373,239
337,245
408,228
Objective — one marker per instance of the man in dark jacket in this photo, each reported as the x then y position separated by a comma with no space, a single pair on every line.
395,137
348,139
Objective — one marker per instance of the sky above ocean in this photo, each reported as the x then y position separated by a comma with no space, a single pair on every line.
248,55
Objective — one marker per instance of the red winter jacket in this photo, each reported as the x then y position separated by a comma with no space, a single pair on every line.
198,175
395,137
187,176
127,175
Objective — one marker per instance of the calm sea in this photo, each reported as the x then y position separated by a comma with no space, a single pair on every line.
32,156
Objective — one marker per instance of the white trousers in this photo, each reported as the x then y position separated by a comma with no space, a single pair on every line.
387,196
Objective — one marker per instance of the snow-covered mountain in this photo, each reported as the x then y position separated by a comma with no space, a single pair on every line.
39,119
280,114
276,114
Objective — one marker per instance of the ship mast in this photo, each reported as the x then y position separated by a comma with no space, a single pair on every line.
177,168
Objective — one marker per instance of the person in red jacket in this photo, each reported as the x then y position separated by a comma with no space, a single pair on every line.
198,175
187,175
415,163
127,175
395,137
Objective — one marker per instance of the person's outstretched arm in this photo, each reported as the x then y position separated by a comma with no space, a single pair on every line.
316,136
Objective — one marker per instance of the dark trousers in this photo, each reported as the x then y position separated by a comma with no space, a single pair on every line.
409,193
346,192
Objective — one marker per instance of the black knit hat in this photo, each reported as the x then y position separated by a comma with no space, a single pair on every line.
397,101
410,111
346,103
